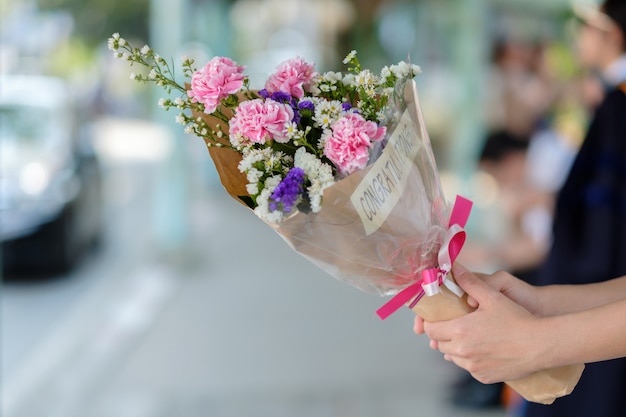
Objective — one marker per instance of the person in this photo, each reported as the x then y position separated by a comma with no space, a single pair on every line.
527,209
578,316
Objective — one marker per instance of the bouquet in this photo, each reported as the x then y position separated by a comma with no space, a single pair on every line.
340,166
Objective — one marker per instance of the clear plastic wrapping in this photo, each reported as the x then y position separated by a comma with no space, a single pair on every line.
381,226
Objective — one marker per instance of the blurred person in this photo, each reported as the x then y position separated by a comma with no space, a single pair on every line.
520,91
589,243
526,206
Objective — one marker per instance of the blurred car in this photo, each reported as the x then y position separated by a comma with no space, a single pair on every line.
50,183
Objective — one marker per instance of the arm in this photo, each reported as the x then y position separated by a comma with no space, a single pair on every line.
552,300
561,299
590,335
503,341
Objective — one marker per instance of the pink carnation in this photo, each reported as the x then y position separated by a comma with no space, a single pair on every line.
292,76
258,121
348,146
219,78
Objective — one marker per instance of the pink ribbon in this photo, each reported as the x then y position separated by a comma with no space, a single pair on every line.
433,278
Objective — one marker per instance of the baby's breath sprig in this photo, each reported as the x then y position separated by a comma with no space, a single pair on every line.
161,73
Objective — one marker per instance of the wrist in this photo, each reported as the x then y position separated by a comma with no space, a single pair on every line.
544,303
557,347
547,354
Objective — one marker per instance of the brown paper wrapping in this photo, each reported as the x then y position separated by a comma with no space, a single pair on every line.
225,159
541,387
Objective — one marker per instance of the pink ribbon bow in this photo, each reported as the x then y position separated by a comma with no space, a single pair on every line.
433,278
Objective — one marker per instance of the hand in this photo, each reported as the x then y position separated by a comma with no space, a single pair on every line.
497,342
514,288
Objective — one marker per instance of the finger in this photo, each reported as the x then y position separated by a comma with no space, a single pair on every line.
418,325
471,301
434,345
475,287
437,331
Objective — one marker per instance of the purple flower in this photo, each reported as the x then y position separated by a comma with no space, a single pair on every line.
346,106
281,97
306,105
287,192
264,93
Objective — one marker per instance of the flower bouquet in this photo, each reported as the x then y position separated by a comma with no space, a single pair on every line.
340,166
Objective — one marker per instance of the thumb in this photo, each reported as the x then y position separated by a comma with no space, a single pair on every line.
475,287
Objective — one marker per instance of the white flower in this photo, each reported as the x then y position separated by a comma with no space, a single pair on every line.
252,188
161,102
180,119
262,209
112,44
145,50
292,131
179,101
404,70
349,57
133,75
254,175
271,160
349,80
385,72
318,173
152,74
366,80
327,112
332,77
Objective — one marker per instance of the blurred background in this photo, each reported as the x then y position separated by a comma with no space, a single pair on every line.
132,285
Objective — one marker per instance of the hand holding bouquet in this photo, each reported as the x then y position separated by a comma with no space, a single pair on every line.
338,164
